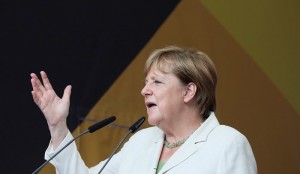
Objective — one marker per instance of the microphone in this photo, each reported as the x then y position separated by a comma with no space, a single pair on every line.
90,129
110,125
131,129
101,124
136,125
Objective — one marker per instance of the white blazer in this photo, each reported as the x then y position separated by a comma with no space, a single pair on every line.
211,149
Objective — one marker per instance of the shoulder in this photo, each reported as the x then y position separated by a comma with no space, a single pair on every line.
228,136
225,141
234,149
226,130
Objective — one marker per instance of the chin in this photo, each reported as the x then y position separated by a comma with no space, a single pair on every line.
153,121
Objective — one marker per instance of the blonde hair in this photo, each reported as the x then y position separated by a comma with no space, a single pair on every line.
189,65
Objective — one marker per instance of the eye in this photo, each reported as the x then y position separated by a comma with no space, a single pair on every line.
157,82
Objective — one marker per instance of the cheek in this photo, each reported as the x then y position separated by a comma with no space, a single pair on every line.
170,102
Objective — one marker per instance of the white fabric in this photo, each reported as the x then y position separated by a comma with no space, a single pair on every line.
211,149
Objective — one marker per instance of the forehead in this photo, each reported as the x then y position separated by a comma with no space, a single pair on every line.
155,74
161,66
156,70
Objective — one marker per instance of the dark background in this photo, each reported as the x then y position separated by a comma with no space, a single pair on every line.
85,44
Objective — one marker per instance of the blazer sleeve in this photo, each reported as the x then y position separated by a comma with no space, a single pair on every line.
237,157
70,161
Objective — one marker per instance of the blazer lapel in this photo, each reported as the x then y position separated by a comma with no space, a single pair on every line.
201,134
155,152
184,152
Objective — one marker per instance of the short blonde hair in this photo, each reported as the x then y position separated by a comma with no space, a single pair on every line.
189,65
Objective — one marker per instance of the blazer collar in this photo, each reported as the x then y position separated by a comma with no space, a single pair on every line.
189,147
201,134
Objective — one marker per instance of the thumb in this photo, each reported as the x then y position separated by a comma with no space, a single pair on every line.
67,93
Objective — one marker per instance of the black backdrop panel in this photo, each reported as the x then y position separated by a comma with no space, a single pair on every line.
85,44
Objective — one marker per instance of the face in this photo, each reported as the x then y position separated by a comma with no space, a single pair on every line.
163,94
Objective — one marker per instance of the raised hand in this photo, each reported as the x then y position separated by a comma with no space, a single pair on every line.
55,109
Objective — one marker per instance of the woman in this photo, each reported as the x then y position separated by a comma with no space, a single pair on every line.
186,136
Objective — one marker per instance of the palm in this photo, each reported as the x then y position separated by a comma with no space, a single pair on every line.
54,108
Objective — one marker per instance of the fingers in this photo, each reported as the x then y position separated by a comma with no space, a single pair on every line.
33,81
35,97
46,81
37,84
37,87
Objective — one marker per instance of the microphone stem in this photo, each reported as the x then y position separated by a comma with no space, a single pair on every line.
112,154
38,169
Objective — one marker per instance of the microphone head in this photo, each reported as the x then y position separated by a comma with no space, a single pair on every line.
101,124
136,125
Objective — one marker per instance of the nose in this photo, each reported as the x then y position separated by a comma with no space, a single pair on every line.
146,91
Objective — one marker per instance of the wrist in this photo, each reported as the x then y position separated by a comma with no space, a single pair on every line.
58,133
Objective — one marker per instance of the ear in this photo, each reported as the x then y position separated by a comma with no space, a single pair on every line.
190,92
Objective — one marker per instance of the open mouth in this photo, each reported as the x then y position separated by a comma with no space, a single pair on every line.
150,104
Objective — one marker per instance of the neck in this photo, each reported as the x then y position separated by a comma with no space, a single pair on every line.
182,128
